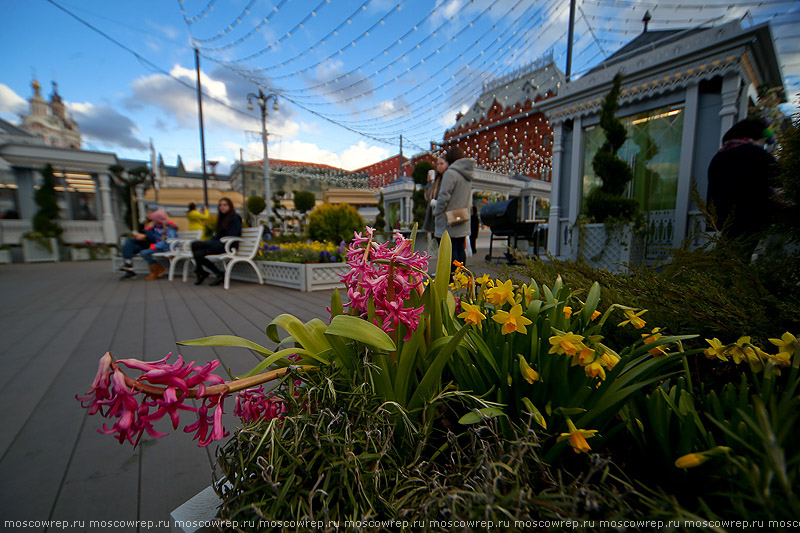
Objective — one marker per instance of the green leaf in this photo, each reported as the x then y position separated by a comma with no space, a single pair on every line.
298,330
475,416
433,375
591,303
336,304
358,329
442,280
405,365
274,358
228,340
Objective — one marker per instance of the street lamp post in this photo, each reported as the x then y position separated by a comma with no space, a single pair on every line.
262,100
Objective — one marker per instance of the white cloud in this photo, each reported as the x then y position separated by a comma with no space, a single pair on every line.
355,156
106,125
11,102
361,155
180,102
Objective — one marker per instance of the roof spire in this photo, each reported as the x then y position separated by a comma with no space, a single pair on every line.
646,19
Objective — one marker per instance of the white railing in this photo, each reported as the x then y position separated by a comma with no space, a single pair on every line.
660,230
11,231
75,231
80,231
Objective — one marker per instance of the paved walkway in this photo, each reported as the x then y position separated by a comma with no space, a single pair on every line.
56,320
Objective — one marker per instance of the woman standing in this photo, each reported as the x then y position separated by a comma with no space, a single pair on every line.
455,194
197,220
229,224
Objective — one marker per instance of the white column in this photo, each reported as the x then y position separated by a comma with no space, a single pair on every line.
555,208
686,164
728,113
106,216
575,174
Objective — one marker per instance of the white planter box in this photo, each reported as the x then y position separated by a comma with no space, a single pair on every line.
34,252
610,252
5,257
325,276
298,276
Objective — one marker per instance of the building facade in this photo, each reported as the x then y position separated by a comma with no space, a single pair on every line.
681,91
505,130
49,120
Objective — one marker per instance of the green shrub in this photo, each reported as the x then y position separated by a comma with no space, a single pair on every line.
711,292
607,201
334,223
304,201
256,204
44,222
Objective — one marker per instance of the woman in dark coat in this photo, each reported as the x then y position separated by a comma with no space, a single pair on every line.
229,224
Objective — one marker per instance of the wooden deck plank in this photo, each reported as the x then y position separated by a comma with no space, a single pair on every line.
60,318
98,465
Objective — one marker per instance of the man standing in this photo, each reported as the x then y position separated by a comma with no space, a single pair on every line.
740,180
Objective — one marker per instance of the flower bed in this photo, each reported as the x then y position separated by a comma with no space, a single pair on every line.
417,399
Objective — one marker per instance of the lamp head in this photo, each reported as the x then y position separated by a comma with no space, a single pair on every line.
250,105
275,106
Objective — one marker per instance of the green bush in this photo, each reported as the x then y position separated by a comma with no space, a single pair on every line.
256,204
711,292
44,222
607,201
334,223
304,201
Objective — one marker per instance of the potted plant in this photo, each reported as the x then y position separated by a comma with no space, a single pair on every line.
89,250
41,244
609,234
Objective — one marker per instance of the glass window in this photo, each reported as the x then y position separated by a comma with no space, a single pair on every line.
652,149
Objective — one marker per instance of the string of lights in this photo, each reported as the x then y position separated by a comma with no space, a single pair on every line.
230,27
390,63
456,78
287,35
204,13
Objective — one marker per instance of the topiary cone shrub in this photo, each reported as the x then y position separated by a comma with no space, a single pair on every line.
44,222
607,201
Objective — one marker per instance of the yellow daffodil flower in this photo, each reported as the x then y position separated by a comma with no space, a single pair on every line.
512,320
786,344
691,460
609,359
583,356
501,293
567,312
653,336
527,294
460,280
594,370
717,350
595,315
567,343
472,314
577,437
634,320
527,372
483,280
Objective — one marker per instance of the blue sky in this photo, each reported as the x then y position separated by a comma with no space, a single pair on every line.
352,76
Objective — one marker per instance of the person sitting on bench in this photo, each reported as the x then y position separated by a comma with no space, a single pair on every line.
229,224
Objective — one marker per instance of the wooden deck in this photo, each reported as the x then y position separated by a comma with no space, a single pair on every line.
56,320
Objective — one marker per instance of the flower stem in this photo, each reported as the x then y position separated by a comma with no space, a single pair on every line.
224,388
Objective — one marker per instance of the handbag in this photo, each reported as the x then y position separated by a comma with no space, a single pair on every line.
457,216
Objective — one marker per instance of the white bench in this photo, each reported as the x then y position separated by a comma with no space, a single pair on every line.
180,249
249,243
